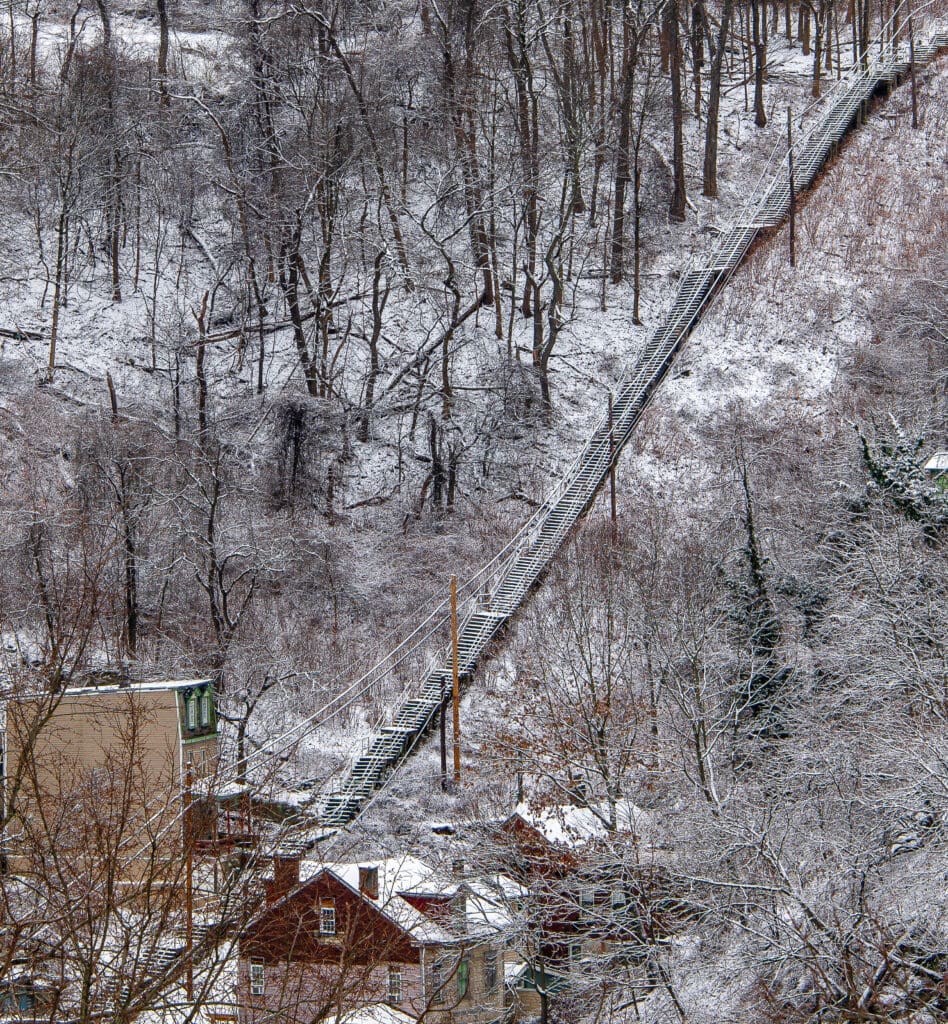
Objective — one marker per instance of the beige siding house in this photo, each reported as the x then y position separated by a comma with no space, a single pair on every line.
103,769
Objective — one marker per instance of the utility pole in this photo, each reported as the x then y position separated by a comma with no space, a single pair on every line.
188,884
793,197
455,680
444,740
612,471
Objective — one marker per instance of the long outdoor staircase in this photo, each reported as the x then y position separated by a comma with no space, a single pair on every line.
497,592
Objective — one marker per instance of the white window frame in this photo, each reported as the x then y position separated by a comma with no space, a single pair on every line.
327,917
257,978
205,716
394,984
191,713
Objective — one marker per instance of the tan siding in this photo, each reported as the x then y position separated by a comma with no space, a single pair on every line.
114,752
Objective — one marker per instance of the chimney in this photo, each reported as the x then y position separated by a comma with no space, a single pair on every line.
369,882
286,876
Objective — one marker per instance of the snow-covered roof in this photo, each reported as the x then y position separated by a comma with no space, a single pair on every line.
569,825
938,463
154,686
486,904
140,687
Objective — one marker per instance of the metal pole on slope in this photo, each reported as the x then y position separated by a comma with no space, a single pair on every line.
455,680
793,197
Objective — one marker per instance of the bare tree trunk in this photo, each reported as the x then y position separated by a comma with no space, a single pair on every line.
758,28
636,238
676,209
699,23
803,28
623,168
714,103
379,298
290,284
820,19
528,130
377,161
131,570
59,273
162,70
114,176
466,147
201,318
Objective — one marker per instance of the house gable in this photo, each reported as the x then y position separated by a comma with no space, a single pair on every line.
290,930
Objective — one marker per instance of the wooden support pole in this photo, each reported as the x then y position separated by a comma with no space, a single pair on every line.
793,196
455,680
444,739
188,830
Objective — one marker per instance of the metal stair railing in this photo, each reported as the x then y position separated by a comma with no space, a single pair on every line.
499,589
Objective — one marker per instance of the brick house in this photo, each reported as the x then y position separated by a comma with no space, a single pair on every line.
390,932
594,897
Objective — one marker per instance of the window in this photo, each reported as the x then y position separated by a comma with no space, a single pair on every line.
256,979
205,710
464,974
18,997
192,713
436,983
575,952
587,898
395,984
369,882
490,971
618,899
327,917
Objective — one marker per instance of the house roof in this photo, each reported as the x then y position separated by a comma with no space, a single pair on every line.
522,975
140,687
405,881
154,686
568,825
938,463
